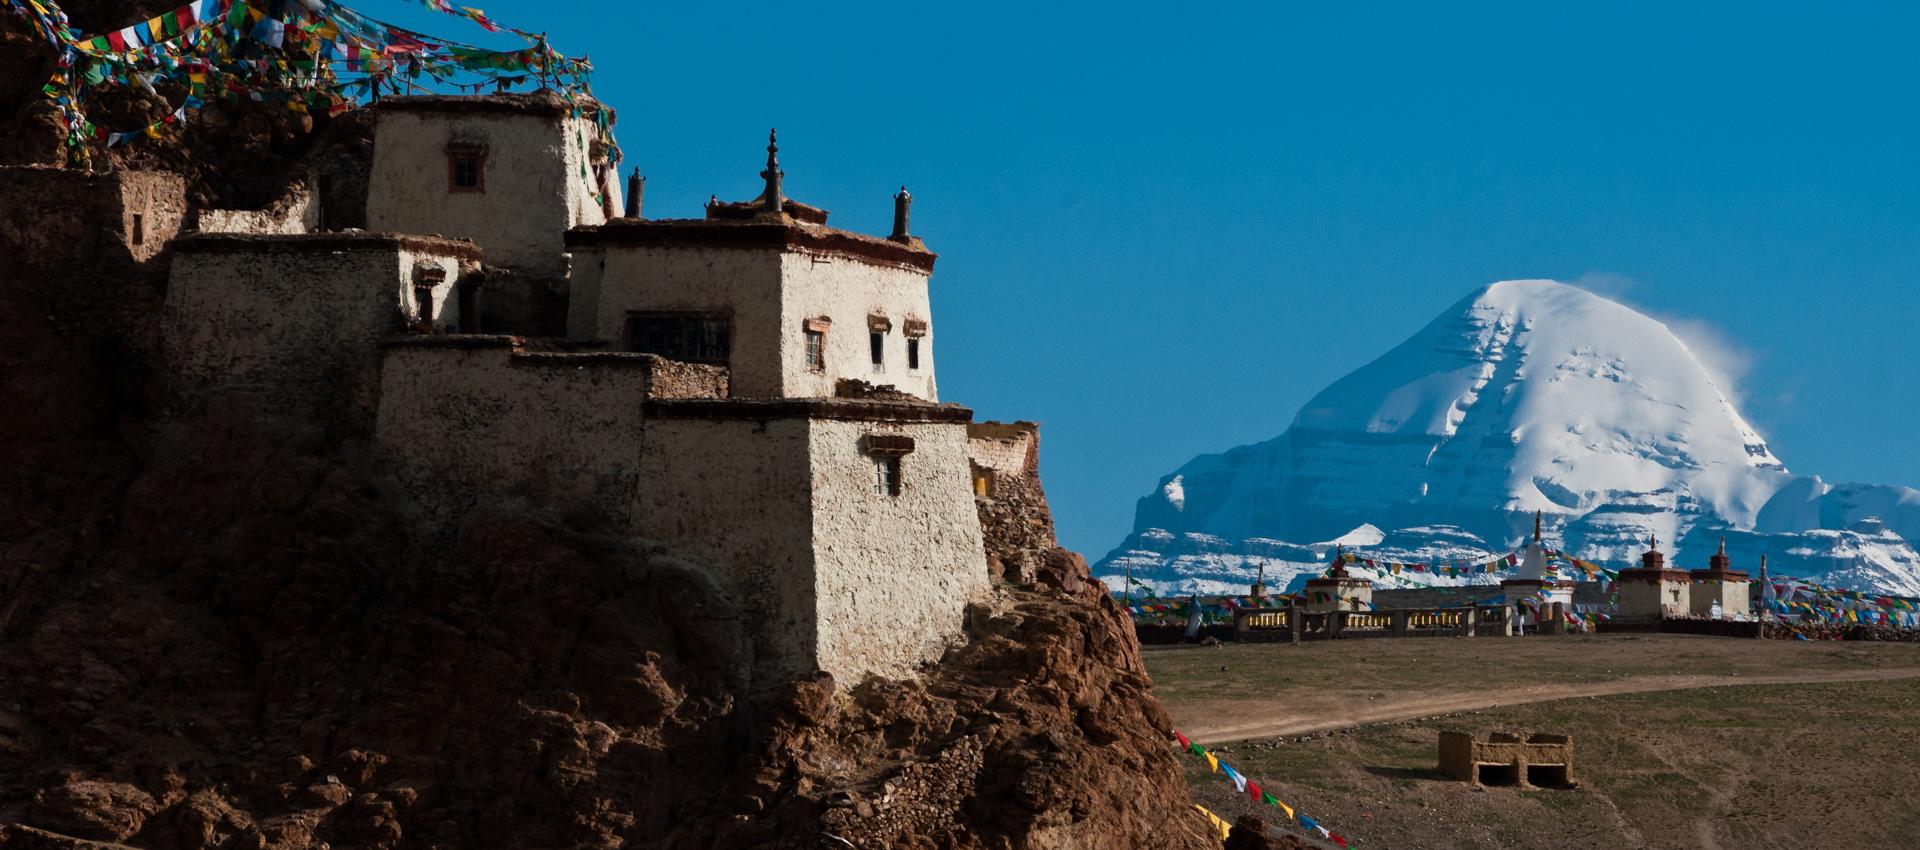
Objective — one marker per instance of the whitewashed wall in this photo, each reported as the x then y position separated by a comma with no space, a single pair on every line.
848,290
534,186
894,573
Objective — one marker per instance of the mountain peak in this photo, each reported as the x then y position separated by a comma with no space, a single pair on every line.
1527,395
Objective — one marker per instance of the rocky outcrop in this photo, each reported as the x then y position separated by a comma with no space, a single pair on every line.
240,644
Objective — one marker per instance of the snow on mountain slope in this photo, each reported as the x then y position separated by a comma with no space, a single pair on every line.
1527,395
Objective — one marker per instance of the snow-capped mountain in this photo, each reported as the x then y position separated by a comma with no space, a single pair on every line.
1526,396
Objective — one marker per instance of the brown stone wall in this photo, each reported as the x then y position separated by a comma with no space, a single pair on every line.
69,253
1014,516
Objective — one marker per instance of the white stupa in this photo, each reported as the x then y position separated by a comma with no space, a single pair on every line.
1544,593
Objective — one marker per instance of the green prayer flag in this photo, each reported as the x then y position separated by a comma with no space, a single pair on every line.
1196,749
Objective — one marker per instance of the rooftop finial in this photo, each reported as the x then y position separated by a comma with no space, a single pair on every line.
901,206
1653,543
636,193
1723,544
1536,526
771,197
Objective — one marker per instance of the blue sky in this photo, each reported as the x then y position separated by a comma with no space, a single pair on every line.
1163,227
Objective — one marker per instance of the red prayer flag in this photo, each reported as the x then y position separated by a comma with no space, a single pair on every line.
184,16
1253,790
118,41
1181,738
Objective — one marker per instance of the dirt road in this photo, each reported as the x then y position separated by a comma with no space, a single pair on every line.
1283,721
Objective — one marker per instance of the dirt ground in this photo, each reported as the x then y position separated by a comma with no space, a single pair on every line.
1679,741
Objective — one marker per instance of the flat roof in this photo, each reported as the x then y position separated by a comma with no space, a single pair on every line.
772,233
855,410
542,103
331,241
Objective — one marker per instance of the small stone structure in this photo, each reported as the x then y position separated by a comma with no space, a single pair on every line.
1507,758
1719,582
1339,590
1653,591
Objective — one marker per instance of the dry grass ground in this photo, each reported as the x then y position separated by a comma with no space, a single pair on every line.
1679,741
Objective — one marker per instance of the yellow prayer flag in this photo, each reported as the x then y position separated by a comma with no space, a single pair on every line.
1224,827
1213,763
1284,807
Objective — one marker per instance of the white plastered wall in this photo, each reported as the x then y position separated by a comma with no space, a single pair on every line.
534,186
1649,600
848,291
1734,601
770,295
895,573
611,282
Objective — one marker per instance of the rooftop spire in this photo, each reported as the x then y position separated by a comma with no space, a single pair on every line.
1536,526
636,193
901,206
1720,563
771,197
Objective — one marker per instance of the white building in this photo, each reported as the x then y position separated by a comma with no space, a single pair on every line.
754,388
1533,591
791,306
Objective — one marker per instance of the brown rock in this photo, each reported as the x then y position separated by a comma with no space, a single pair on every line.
101,810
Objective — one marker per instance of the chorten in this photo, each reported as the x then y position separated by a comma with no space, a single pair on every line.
1339,590
1549,596
1719,582
1653,592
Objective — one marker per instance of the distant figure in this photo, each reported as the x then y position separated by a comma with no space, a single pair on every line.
1193,617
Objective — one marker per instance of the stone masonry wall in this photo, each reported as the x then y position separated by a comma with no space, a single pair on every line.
1017,522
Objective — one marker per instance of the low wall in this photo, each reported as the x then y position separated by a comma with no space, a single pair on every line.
1684,626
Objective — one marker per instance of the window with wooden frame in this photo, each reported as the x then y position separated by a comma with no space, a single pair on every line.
886,475
877,328
814,334
887,452
915,329
466,167
691,337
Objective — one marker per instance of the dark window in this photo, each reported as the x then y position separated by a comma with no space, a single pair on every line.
878,342
139,228
423,303
466,168
816,350
469,308
690,337
913,353
886,475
